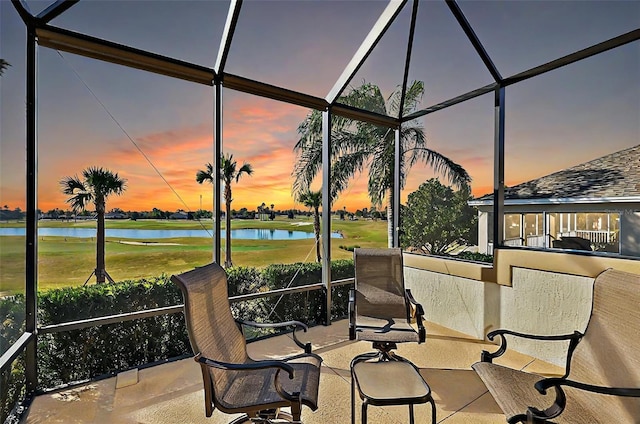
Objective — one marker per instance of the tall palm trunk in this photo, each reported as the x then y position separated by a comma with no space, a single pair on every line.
100,266
316,230
227,220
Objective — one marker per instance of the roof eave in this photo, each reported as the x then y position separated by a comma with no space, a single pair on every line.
559,201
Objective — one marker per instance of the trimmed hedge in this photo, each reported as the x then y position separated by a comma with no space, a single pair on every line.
79,355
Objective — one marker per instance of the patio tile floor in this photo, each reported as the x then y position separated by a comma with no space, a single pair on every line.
172,392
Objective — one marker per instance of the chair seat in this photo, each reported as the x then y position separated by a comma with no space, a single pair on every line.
394,330
514,392
254,389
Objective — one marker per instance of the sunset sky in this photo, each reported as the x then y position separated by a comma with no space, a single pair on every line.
557,120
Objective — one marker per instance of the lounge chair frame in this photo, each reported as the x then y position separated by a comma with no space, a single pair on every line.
614,314
229,374
378,278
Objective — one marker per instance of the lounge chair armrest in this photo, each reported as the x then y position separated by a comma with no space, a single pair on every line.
560,403
414,302
574,338
258,365
295,324
422,333
544,384
352,314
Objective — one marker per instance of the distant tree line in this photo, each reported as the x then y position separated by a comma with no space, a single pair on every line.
6,213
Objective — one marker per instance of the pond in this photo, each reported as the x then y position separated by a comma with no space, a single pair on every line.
239,234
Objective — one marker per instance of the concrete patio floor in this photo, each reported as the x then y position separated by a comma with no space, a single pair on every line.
172,393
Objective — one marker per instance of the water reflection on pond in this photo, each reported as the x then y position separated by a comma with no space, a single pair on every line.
239,234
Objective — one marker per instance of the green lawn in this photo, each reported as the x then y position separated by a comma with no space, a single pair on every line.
69,261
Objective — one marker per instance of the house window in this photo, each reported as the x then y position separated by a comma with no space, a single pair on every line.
512,229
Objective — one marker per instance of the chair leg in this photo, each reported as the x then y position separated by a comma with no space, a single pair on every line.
353,400
433,411
242,420
296,411
364,412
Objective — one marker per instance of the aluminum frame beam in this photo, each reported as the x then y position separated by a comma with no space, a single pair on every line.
326,210
31,230
96,48
475,41
407,61
257,88
55,10
612,43
15,350
377,31
365,116
262,89
217,189
227,35
23,10
498,170
451,102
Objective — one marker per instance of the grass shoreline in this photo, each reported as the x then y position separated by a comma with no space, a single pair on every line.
69,261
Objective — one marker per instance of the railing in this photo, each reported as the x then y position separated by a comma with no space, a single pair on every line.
19,346
594,236
536,241
516,241
111,319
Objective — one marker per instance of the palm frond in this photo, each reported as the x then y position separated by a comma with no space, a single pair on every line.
244,169
205,175
444,166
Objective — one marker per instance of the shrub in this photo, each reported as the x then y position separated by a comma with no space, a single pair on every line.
348,248
78,355
475,256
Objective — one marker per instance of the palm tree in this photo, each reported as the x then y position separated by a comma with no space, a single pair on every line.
96,185
357,146
228,173
313,199
3,65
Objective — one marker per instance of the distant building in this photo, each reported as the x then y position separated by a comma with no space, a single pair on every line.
591,206
179,215
116,215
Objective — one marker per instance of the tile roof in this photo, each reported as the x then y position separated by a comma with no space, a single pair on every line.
613,175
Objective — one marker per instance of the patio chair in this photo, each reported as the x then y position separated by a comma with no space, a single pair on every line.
380,308
602,379
233,382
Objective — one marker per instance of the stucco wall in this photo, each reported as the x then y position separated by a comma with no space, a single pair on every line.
538,302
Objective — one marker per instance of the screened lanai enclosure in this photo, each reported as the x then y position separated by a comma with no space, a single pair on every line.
402,116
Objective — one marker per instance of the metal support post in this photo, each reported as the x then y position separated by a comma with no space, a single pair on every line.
326,209
31,246
498,171
217,150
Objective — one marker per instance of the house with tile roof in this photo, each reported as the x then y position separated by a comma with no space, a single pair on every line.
591,206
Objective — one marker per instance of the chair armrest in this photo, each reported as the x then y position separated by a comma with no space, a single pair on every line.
574,338
544,384
295,324
258,365
561,400
352,314
422,333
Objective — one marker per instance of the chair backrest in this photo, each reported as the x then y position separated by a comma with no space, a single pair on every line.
609,353
379,283
212,329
